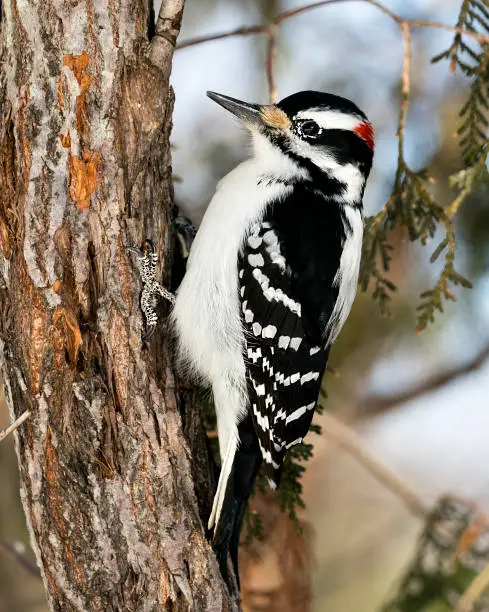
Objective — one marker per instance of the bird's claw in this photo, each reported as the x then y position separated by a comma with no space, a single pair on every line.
146,262
149,332
185,232
148,245
135,250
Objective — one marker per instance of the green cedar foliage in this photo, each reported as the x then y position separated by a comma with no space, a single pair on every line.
453,548
412,204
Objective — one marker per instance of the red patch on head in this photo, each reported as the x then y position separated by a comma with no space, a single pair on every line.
366,131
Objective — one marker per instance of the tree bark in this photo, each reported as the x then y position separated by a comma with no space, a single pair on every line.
106,471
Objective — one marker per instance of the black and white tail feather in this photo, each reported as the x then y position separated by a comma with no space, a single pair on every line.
270,281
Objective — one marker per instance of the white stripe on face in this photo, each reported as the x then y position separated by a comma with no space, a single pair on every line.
330,119
349,174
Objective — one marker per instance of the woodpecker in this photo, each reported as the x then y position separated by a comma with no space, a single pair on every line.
270,280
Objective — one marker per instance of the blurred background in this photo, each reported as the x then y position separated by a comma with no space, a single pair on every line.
418,402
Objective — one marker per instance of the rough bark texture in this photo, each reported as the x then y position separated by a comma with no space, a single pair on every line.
107,483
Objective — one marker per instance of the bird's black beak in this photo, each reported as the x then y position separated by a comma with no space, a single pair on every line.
249,114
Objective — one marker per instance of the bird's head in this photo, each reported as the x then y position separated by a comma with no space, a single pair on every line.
324,135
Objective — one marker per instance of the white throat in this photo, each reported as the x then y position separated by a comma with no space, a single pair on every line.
273,162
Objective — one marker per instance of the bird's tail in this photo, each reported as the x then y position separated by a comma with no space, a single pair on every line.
238,473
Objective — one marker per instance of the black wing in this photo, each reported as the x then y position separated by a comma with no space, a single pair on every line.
286,273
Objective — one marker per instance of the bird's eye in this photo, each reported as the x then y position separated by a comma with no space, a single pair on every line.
309,128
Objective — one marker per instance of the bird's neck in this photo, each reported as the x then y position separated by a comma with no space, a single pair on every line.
344,183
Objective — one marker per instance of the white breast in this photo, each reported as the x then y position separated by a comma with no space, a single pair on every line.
206,312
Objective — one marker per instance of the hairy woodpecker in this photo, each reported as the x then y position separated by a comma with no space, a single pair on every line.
270,280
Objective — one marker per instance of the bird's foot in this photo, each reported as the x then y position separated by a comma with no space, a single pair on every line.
146,262
185,232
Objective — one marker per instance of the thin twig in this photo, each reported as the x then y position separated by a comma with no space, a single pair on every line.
271,52
281,17
11,552
243,31
421,23
474,591
350,442
405,85
314,5
6,432
377,404
270,30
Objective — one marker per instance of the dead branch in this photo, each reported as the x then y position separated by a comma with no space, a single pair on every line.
271,52
474,591
261,29
405,86
10,551
349,441
6,432
378,404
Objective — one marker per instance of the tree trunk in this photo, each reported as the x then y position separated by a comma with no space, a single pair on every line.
107,474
